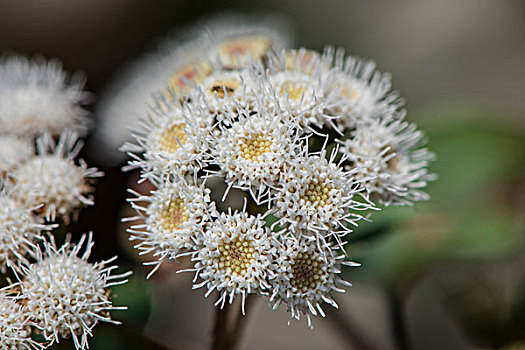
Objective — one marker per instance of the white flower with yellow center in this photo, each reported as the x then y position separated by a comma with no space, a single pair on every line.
304,277
253,151
15,330
173,139
67,296
388,159
20,230
174,216
316,195
236,41
223,91
53,180
37,96
365,94
15,150
234,256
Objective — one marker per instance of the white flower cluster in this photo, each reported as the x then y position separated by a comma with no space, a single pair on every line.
42,186
314,141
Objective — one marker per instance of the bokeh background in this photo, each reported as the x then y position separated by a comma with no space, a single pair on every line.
447,274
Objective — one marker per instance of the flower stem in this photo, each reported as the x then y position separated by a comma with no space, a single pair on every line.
219,341
235,335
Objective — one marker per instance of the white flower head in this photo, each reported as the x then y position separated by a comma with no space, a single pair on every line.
173,139
234,256
52,178
223,91
20,230
387,158
365,94
15,330
66,295
304,277
253,150
317,196
15,150
37,96
174,215
237,41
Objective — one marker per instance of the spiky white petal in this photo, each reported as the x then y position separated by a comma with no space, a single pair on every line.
388,158
234,256
53,180
66,295
305,277
15,330
253,150
173,219
365,93
37,96
172,139
316,195
20,230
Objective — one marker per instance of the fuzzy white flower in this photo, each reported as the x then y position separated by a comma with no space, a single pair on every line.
387,158
174,216
172,139
54,180
67,296
234,256
365,93
316,195
37,96
15,330
304,277
15,150
224,91
252,152
237,41
20,230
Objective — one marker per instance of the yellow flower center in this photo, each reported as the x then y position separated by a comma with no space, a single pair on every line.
294,90
306,272
234,52
182,78
252,148
225,86
317,193
174,214
236,255
172,138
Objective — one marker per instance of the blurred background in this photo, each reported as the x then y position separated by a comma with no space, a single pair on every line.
447,274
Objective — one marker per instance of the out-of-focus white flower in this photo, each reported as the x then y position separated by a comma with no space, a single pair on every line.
172,139
65,295
304,277
15,150
15,330
365,93
236,41
20,230
316,195
253,150
174,216
389,161
53,180
37,96
180,60
234,256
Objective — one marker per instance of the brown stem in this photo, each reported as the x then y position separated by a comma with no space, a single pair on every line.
235,335
220,340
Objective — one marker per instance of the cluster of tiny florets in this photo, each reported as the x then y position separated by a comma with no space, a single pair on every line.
43,185
311,142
